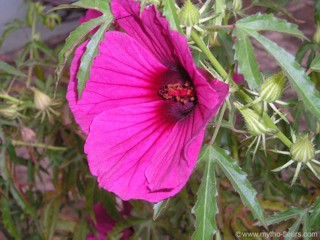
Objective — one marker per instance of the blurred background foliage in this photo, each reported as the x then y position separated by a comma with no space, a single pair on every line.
47,191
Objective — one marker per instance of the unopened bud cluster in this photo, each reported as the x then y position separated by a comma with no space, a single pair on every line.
41,100
302,150
189,14
254,122
271,90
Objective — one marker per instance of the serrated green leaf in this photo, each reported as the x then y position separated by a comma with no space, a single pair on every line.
315,216
239,181
89,55
158,208
7,219
268,22
295,73
170,12
283,216
73,40
206,207
102,6
315,64
291,234
11,70
50,217
306,227
248,64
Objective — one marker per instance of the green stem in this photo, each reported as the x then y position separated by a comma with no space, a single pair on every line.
222,111
209,55
247,98
40,145
9,98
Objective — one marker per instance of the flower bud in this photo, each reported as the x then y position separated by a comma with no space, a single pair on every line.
189,14
316,36
237,5
9,112
28,135
254,122
41,100
302,150
271,90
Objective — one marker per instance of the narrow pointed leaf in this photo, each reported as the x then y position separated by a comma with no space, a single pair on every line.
248,65
10,70
159,207
73,40
170,12
268,22
296,74
50,217
239,181
306,227
283,216
206,207
87,4
315,64
7,219
315,216
89,55
291,234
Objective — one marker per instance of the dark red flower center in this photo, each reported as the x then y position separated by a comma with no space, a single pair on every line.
178,91
181,93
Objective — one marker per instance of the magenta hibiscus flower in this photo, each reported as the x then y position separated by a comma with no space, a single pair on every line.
145,106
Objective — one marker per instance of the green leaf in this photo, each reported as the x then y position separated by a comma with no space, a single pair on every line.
11,70
102,6
317,11
306,227
158,208
7,219
315,216
206,207
219,13
268,22
283,216
89,55
291,234
21,201
75,37
50,217
239,181
296,74
248,64
170,12
315,64
81,230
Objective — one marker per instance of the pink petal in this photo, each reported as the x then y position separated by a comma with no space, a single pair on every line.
173,163
150,29
121,145
123,73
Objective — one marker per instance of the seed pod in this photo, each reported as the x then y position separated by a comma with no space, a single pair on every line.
189,14
237,5
254,122
271,90
303,149
9,112
41,100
